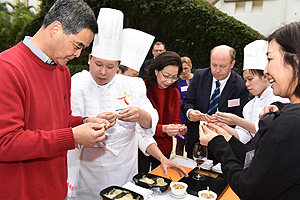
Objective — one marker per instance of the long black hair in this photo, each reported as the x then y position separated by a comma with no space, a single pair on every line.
288,38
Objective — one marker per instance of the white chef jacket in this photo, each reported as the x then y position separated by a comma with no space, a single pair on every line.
252,109
114,160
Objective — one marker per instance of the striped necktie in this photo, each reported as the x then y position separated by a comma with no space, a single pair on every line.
214,101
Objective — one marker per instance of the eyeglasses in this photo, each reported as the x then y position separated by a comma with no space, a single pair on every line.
172,78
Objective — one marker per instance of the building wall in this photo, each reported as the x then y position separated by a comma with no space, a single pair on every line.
265,16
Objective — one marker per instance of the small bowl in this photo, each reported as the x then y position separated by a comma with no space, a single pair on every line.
203,195
178,188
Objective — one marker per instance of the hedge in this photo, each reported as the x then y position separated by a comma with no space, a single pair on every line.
189,27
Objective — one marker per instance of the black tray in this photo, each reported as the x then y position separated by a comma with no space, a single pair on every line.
106,190
137,181
217,184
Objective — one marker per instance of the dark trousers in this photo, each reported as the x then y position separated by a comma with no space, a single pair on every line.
145,162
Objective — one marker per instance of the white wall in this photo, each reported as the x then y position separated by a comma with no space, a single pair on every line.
264,16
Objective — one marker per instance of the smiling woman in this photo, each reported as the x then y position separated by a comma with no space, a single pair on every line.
165,98
271,168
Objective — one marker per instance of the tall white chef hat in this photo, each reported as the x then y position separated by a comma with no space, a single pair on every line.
135,46
255,55
107,43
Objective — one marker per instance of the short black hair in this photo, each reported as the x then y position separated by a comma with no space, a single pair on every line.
123,68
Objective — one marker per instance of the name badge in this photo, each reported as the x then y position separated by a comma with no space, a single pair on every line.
233,103
184,88
248,158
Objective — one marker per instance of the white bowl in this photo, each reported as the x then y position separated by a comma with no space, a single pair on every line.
177,191
204,192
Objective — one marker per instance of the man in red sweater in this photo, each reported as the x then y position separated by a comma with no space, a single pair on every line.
37,127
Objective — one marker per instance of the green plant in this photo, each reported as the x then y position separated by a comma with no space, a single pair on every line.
77,68
12,23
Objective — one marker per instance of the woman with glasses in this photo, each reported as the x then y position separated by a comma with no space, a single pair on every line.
165,98
184,81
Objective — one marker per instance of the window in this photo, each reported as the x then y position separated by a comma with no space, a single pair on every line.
240,7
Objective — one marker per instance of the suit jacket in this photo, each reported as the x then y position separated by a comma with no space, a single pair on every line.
198,95
144,67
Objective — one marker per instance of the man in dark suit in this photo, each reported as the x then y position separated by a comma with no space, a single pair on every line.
233,94
158,48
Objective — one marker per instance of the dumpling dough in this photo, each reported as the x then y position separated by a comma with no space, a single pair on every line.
161,182
115,193
147,180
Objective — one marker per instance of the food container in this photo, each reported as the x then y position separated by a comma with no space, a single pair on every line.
116,192
152,181
203,195
178,188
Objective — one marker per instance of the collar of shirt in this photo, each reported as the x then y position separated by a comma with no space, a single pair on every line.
37,51
222,84
266,93
107,85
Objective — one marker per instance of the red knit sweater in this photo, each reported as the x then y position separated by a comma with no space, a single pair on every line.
35,121
167,104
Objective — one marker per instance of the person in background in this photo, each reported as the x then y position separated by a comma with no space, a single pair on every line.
127,71
216,88
184,81
269,167
158,48
255,61
123,102
163,73
37,125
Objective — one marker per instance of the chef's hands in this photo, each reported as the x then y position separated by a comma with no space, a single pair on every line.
109,116
89,134
166,163
130,114
175,129
196,115
135,114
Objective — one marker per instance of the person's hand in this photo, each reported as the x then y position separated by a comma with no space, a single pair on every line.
89,134
220,130
174,129
267,109
226,118
130,114
182,130
196,115
166,163
109,116
205,134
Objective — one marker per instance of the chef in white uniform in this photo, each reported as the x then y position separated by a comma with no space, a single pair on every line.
122,101
135,46
255,58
